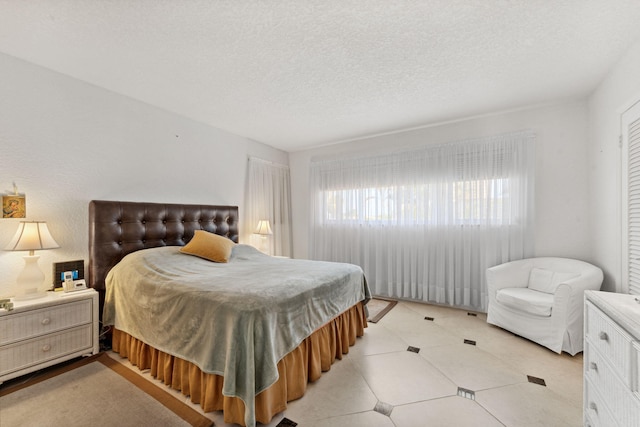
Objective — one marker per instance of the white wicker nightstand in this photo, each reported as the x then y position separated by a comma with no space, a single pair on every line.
42,332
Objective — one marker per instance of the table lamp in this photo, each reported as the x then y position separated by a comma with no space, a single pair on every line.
264,230
31,236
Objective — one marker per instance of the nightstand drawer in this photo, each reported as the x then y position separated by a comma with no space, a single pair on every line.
37,350
35,323
613,342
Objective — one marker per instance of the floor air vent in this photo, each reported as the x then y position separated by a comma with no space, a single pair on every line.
383,408
467,394
536,380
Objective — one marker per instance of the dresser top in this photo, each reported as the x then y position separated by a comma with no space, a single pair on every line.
624,309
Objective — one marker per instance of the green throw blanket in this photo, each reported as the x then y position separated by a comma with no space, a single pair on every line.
235,319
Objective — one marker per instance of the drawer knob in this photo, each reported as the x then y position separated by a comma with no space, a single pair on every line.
46,347
603,336
46,321
593,366
592,405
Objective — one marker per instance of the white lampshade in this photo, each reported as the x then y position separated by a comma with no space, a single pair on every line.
31,236
263,228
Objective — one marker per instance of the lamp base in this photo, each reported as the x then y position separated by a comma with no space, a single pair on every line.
264,246
30,280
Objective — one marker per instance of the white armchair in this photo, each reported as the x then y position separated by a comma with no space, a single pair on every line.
542,299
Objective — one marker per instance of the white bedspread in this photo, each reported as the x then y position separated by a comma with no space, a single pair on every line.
236,319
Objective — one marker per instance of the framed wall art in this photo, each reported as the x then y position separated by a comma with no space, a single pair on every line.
14,206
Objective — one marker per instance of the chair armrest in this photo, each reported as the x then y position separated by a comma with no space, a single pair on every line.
588,280
571,293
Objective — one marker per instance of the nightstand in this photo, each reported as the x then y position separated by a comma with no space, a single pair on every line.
43,332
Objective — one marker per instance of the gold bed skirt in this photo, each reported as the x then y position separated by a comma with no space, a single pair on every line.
305,363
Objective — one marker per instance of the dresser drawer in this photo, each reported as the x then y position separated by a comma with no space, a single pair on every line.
39,322
611,341
624,404
597,414
23,354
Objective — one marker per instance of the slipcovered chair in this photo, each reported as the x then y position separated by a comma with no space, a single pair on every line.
542,299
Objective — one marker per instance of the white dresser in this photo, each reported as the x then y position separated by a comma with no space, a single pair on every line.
611,360
42,332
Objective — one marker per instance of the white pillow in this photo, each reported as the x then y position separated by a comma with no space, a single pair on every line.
541,280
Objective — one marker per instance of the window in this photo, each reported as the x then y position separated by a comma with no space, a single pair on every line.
425,224
409,205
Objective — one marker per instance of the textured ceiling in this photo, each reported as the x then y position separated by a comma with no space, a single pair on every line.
296,74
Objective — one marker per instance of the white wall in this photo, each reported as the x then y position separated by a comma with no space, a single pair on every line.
616,93
562,215
64,142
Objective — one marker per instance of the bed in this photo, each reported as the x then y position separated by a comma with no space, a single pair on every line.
243,336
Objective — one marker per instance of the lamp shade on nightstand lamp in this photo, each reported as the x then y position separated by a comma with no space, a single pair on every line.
263,228
31,236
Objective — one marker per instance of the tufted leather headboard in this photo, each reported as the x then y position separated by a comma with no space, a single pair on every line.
119,228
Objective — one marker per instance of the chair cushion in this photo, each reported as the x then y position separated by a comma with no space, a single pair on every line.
527,300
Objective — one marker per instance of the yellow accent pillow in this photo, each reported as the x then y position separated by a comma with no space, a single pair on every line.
209,246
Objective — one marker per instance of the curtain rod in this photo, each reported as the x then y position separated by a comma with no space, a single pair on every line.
358,155
257,159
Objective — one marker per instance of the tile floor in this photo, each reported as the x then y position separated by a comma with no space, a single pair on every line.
446,383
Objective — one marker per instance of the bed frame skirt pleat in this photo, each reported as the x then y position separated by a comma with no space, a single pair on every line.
305,363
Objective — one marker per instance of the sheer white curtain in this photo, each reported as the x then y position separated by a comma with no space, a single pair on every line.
268,196
425,224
